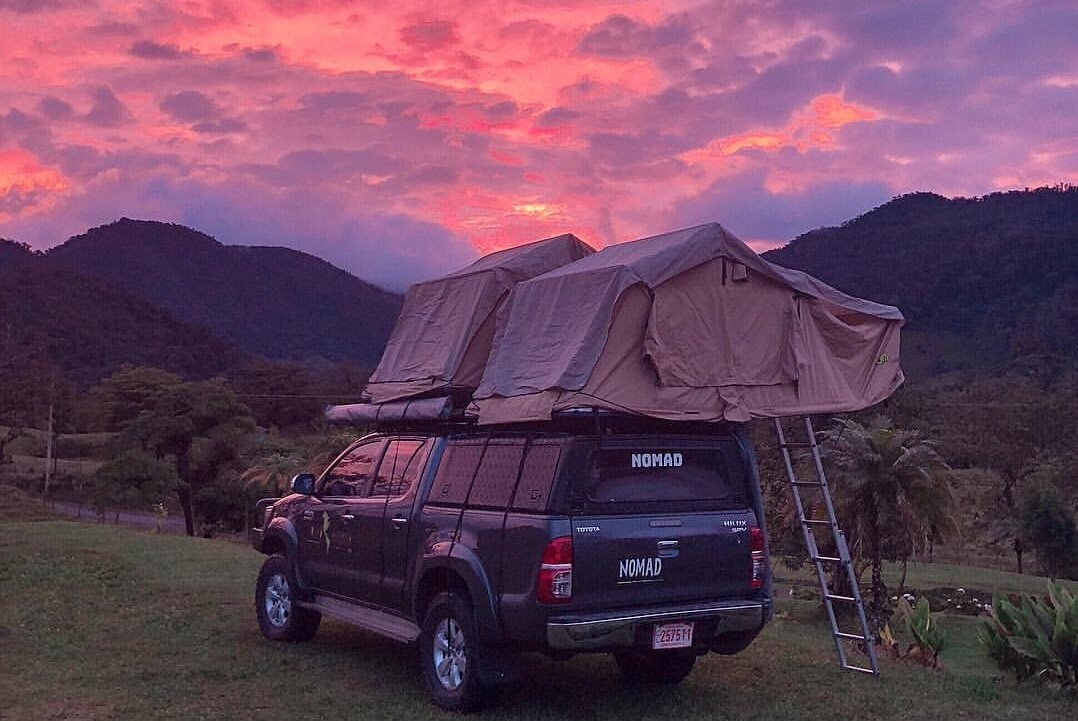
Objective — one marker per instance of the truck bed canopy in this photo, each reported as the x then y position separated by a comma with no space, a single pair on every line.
689,325
443,336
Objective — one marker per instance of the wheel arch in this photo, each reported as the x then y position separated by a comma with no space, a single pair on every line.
462,576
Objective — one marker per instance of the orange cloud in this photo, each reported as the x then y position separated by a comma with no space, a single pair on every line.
25,182
832,113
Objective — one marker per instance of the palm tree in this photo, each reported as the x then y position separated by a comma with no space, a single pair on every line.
892,493
271,474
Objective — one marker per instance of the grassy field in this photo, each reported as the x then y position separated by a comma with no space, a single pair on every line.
99,622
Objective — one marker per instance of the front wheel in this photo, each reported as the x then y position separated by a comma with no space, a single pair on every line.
280,617
449,655
655,666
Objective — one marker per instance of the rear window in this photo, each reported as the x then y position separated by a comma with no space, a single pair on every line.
647,477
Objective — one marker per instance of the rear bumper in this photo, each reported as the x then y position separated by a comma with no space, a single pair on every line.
595,631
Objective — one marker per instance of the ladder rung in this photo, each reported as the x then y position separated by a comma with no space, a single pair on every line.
829,559
836,597
860,669
816,522
797,444
815,484
851,636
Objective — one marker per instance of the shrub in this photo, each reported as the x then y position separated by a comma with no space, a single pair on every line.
928,639
1037,638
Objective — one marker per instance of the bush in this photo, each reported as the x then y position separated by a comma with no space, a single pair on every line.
928,639
1036,639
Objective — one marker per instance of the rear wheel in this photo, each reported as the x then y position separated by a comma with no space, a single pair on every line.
280,617
655,666
449,655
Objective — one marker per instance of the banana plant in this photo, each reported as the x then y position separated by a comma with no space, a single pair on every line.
928,639
1036,638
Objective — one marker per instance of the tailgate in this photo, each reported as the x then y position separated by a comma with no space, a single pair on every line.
662,519
621,561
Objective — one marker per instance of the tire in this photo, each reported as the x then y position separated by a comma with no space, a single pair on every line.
655,666
279,615
449,655
727,644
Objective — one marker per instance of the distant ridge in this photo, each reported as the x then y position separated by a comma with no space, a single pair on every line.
90,328
275,302
997,275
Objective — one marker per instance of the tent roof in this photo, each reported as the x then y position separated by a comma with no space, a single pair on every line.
443,334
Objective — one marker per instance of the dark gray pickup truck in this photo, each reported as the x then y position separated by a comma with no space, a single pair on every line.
644,542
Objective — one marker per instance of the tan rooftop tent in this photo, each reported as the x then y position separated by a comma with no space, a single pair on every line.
442,338
689,325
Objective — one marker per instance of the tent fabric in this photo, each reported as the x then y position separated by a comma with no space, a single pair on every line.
443,336
687,325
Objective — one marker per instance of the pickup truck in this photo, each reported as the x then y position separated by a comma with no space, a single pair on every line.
645,541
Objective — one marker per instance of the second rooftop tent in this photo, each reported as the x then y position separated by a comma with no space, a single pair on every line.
443,337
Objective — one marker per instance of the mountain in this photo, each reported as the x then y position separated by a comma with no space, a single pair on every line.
89,328
15,257
980,280
275,302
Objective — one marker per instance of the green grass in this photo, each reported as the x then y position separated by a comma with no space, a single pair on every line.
99,622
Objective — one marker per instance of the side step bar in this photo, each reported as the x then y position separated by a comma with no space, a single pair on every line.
369,619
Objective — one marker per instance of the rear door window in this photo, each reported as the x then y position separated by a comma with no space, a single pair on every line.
400,467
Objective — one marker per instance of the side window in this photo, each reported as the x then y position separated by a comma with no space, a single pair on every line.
497,475
456,471
400,467
349,476
537,477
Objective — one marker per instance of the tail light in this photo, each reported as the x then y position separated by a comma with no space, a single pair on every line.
556,572
759,568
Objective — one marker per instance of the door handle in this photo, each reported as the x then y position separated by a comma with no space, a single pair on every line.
348,516
398,521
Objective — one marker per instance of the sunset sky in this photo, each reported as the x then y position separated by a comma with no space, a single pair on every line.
398,140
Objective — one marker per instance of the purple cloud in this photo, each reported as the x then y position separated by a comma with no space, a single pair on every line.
189,106
107,111
430,34
149,50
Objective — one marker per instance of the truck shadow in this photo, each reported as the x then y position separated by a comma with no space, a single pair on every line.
588,685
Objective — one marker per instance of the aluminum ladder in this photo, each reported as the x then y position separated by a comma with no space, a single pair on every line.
840,563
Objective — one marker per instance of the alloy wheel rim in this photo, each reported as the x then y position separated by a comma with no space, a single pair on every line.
450,654
278,600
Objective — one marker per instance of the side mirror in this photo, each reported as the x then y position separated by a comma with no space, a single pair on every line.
303,483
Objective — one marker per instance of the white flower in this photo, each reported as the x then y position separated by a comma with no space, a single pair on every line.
960,590
976,600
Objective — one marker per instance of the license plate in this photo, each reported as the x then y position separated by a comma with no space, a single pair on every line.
672,635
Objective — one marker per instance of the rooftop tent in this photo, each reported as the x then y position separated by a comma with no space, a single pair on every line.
689,325
442,338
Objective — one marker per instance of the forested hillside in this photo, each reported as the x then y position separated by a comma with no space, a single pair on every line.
996,276
275,302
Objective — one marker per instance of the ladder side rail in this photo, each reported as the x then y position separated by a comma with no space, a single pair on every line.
870,646
840,543
810,544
